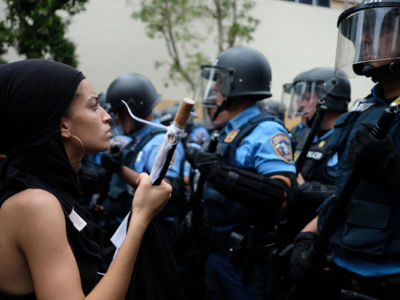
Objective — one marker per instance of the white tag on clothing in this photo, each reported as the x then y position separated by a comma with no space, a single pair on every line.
76,219
119,235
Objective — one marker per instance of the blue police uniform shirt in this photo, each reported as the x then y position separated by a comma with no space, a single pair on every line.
93,160
266,148
300,127
121,140
147,155
199,134
347,260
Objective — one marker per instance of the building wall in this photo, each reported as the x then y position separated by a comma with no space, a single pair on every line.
294,37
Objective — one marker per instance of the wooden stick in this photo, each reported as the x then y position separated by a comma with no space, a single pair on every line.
183,113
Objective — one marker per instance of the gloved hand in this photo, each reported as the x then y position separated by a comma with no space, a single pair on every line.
111,160
304,261
90,179
375,159
207,163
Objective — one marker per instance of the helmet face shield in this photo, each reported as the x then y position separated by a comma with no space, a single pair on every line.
215,84
369,36
302,98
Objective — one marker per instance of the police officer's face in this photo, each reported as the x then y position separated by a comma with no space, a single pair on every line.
307,105
87,120
385,48
217,88
125,121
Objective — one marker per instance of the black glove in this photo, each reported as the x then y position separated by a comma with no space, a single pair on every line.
91,180
305,262
111,160
207,163
376,159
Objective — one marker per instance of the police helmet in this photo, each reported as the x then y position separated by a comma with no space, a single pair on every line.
369,38
237,72
315,85
136,90
103,101
273,107
168,115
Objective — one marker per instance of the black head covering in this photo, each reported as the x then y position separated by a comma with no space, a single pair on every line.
34,94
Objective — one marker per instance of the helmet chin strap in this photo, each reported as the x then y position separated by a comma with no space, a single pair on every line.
376,73
220,108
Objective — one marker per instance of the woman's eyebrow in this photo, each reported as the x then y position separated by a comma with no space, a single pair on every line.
96,98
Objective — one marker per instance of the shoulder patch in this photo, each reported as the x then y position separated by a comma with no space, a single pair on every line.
231,136
282,146
362,105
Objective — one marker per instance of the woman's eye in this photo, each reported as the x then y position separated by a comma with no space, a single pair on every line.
95,106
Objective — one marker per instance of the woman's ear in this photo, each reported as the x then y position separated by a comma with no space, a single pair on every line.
65,128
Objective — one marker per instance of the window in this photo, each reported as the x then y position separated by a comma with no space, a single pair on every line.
323,3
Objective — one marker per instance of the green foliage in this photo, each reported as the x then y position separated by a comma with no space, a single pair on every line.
37,29
185,25
6,38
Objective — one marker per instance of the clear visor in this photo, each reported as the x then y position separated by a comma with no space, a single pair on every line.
302,98
212,89
214,85
368,36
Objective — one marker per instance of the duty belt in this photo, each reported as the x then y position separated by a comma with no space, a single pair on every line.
382,287
225,243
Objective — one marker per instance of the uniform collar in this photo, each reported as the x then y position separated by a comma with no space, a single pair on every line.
242,118
324,136
377,92
145,130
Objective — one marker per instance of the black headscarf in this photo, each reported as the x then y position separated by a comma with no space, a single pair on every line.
34,94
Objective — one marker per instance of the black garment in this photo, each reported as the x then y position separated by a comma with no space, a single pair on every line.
5,296
314,167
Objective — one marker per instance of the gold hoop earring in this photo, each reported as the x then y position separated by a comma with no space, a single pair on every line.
80,142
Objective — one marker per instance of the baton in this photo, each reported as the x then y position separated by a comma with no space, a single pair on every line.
335,216
171,139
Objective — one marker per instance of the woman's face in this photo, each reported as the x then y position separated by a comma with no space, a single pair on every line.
87,120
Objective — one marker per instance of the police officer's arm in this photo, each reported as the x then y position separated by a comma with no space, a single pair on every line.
129,175
251,189
312,226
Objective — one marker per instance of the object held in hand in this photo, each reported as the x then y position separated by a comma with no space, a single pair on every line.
172,137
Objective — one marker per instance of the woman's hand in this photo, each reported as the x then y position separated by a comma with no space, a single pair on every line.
149,200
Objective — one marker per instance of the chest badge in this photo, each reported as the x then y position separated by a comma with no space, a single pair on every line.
321,144
231,136
296,155
397,100
282,146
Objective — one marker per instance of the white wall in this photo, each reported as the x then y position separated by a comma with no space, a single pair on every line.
294,37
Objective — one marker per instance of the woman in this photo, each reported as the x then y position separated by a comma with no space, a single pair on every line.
49,119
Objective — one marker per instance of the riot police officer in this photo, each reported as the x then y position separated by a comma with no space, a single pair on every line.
364,245
138,155
273,107
248,178
316,89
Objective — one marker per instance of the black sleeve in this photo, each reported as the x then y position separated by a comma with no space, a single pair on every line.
251,189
